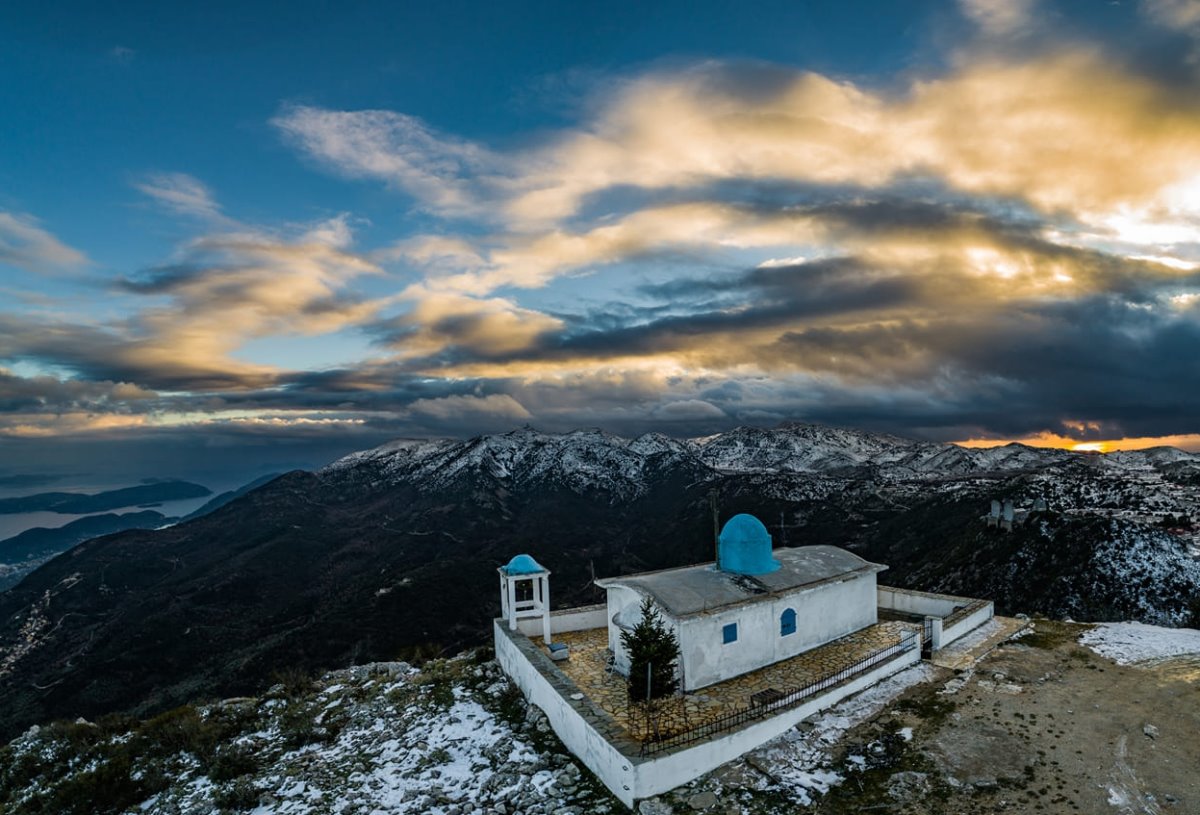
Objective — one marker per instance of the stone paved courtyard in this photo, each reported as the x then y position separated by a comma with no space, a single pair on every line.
588,670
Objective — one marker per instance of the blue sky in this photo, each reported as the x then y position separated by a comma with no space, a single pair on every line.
310,226
106,95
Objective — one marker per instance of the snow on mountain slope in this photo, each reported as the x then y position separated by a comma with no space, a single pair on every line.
581,460
595,460
1152,457
379,739
798,448
1019,456
1150,568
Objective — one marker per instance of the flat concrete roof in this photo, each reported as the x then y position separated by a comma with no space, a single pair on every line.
692,590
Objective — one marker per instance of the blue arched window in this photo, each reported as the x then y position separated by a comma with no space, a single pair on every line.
787,622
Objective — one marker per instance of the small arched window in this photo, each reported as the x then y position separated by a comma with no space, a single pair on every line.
787,622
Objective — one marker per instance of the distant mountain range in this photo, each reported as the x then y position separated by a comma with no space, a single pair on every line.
593,459
78,503
392,552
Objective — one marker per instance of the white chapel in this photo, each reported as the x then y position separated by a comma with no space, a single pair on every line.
754,606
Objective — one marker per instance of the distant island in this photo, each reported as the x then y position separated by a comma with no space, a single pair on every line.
21,554
78,503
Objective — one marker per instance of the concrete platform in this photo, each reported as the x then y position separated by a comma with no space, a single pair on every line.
964,652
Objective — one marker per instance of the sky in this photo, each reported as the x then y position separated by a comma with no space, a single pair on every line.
250,236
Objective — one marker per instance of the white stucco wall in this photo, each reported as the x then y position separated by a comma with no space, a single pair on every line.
936,605
968,623
823,613
624,599
918,602
602,758
569,619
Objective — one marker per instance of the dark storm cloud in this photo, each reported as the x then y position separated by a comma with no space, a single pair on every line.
1053,332
112,354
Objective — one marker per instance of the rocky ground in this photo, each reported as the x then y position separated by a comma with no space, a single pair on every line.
1042,724
454,738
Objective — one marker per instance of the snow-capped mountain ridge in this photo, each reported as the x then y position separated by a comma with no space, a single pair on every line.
595,459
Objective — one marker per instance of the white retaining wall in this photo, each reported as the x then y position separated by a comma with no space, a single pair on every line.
936,605
631,777
968,623
668,771
615,770
918,602
569,619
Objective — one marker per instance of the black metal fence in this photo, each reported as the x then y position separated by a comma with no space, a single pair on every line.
666,740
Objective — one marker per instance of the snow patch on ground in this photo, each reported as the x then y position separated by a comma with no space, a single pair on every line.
801,761
1131,643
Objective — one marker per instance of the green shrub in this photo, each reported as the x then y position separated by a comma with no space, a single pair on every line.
240,796
437,679
231,762
110,787
177,731
510,705
297,683
298,727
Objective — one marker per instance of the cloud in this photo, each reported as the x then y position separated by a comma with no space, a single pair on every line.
495,406
1126,162
1179,14
484,327
19,393
962,318
1032,130
689,409
990,245
437,169
999,17
222,291
905,260
26,245
183,194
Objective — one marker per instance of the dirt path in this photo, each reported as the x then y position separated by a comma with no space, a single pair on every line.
1041,725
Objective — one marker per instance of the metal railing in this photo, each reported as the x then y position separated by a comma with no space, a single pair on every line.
657,743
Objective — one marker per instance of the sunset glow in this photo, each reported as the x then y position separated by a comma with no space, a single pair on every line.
1189,442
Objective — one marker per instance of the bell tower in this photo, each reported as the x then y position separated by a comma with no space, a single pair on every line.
525,592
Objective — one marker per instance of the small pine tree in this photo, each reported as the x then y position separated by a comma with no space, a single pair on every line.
652,644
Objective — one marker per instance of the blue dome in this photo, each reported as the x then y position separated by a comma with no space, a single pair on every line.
745,546
522,564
